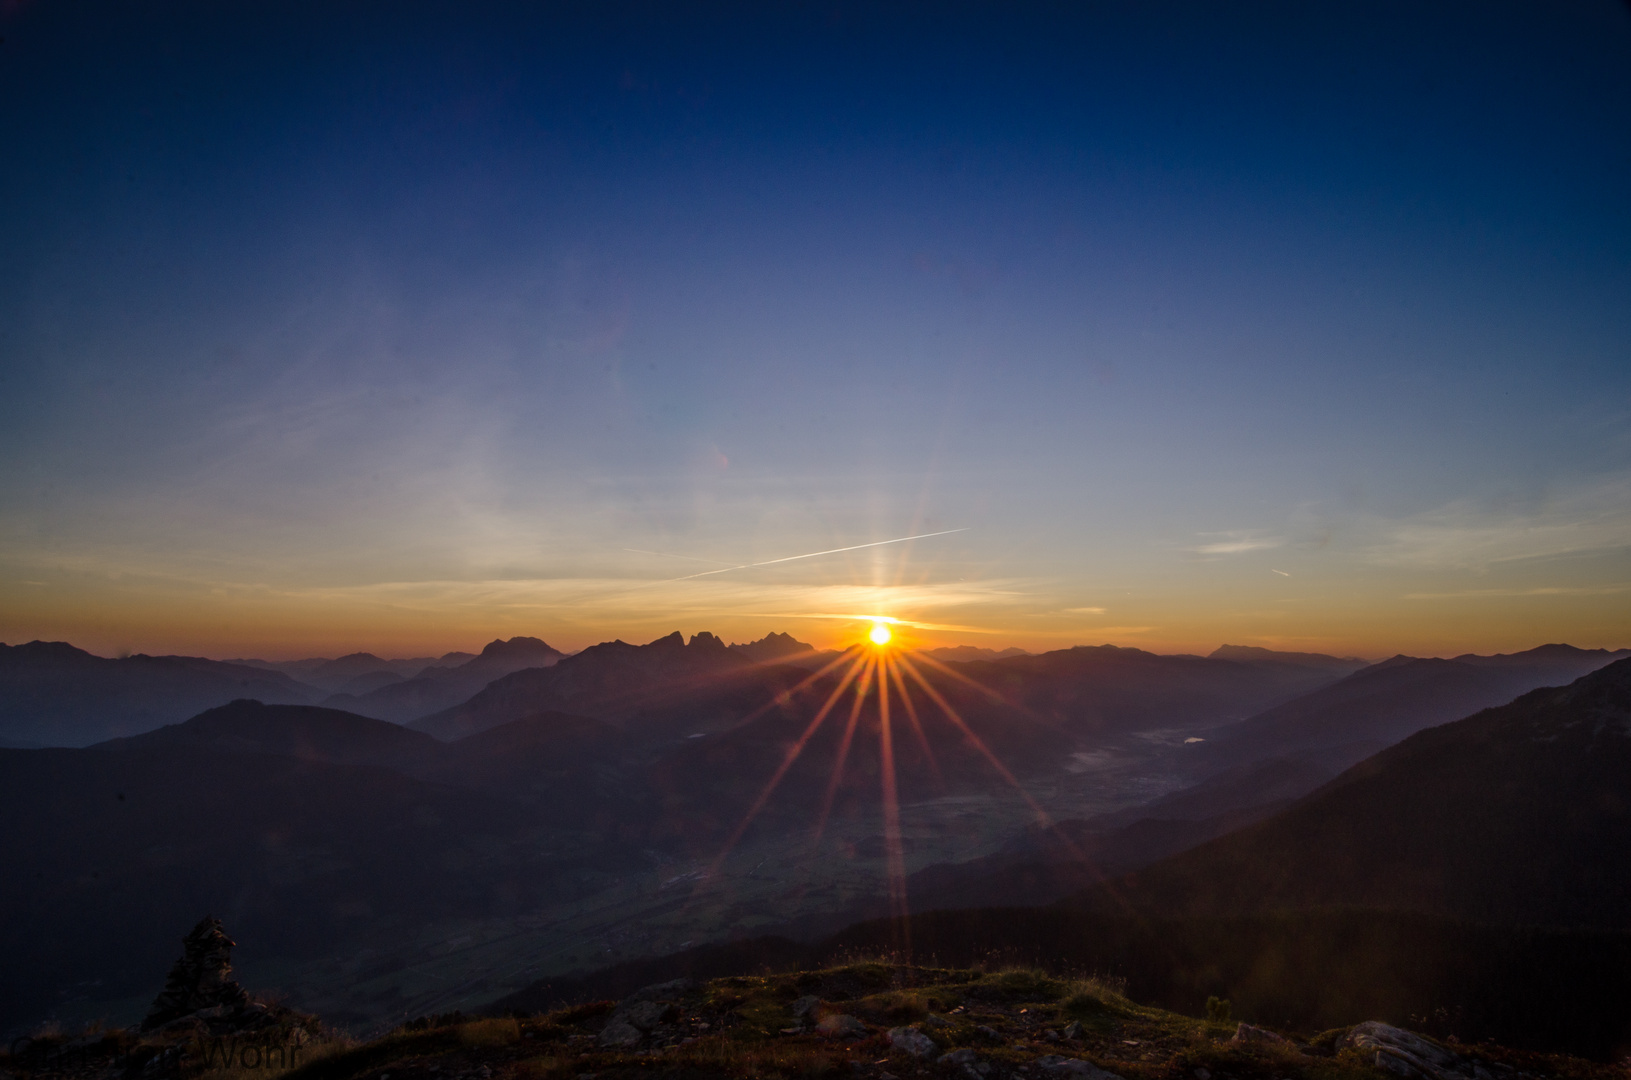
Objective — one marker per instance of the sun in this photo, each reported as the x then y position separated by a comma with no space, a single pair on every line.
880,634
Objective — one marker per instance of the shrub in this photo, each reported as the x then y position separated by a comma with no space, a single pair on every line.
1217,1010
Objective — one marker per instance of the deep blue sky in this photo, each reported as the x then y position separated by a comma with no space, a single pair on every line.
393,326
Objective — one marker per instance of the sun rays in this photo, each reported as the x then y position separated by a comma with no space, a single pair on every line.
877,685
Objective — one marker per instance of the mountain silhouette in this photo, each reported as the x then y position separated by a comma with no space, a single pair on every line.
52,694
1520,814
773,647
1381,704
1104,689
437,688
962,654
304,732
611,681
1257,652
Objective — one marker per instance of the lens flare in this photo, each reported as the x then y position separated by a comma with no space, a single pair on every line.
875,681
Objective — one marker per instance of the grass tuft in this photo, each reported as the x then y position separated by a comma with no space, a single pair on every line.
496,1032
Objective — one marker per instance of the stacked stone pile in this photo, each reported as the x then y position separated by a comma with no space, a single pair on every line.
200,990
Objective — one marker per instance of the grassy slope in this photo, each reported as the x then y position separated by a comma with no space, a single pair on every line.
743,1026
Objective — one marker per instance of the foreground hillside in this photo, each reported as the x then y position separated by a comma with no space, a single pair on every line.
861,1019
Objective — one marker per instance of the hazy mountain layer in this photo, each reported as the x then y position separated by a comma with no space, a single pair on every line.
439,687
52,694
1376,707
1519,814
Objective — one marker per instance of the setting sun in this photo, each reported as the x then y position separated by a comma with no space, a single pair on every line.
880,634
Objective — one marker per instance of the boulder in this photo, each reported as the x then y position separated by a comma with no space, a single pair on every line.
1073,1068
1073,1030
911,1040
967,1062
841,1026
646,1015
619,1034
1415,1057
1250,1033
804,1006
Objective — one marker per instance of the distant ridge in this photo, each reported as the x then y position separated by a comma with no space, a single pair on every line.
610,681
435,689
1378,705
773,647
52,694
1519,814
1256,652
965,653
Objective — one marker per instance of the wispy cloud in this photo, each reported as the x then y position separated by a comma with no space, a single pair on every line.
1467,534
1237,542
1545,590
603,600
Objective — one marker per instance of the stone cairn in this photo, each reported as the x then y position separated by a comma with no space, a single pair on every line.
199,980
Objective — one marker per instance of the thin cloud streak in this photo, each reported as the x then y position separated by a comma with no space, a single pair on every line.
1463,535
815,554
1238,543
1547,590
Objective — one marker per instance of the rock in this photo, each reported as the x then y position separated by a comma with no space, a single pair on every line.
646,1015
1404,1053
971,1064
936,1021
990,1034
804,1006
1250,1033
663,991
1074,1068
911,1040
1203,1073
841,1026
619,1034
1073,1030
199,979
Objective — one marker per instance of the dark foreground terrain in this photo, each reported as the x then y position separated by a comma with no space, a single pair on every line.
861,1019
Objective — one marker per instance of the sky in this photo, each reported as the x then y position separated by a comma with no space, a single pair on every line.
401,327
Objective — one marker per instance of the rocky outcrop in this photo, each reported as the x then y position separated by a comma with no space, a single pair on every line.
1072,1068
644,1014
200,981
1251,1033
841,1026
1404,1053
913,1041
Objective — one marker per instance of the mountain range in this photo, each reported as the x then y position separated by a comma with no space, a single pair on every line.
1519,814
570,809
52,694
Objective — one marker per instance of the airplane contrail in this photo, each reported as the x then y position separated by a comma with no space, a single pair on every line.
813,554
671,555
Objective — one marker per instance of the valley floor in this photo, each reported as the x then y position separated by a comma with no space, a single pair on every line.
780,882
